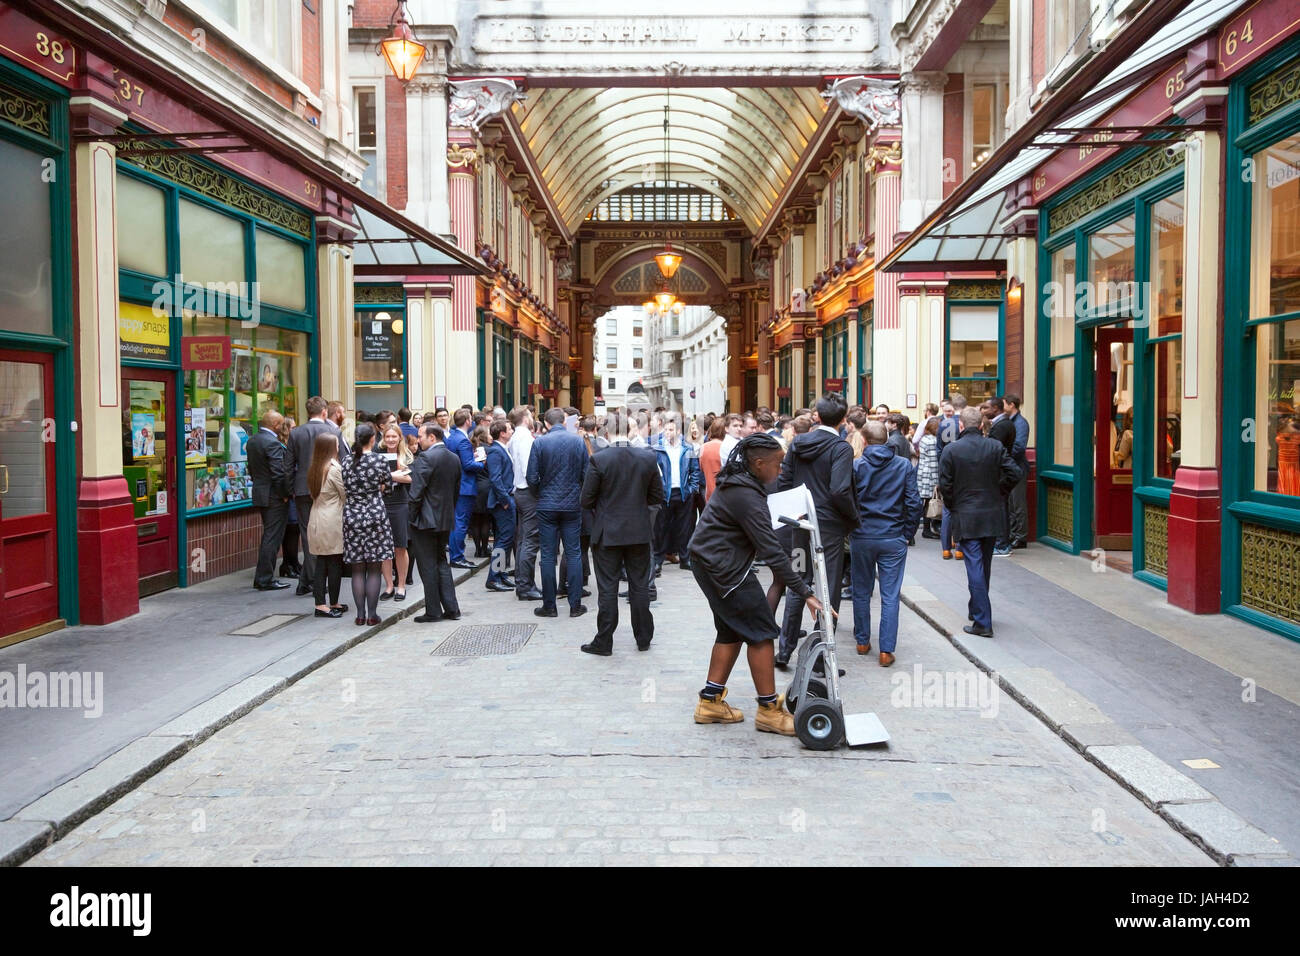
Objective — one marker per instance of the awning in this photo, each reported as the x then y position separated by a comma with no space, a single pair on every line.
962,234
382,248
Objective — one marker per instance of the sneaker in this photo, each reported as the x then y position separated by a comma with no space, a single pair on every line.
718,712
774,718
1002,552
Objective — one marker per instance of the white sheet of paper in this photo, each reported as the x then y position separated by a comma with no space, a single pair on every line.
791,503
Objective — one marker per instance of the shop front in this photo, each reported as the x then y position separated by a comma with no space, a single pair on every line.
216,326
379,339
835,355
866,326
973,340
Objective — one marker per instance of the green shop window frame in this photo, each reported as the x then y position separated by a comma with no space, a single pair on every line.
525,371
144,289
44,130
388,299
784,379
503,366
1079,477
975,294
866,352
1276,119
835,353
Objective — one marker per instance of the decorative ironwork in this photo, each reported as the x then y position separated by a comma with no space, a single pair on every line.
223,188
975,290
1270,94
1270,571
377,295
1105,191
1155,539
1060,513
24,111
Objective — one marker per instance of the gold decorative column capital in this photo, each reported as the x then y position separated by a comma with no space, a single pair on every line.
462,157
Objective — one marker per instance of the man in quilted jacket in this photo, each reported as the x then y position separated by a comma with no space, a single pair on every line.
557,465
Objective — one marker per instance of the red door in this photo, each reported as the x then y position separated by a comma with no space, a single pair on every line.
1114,439
149,465
29,573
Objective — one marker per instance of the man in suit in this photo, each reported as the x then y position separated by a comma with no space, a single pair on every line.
501,505
622,485
556,468
435,486
268,467
458,443
975,475
1001,428
334,415
823,461
302,440
1017,503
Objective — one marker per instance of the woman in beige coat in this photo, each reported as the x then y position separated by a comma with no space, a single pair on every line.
325,530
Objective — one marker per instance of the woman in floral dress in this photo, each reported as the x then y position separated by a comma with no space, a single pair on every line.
367,535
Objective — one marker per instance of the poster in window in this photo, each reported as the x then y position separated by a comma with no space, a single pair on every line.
376,346
196,437
142,435
268,379
243,372
217,378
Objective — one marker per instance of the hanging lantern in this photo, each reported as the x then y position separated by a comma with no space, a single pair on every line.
668,261
650,306
665,300
401,49
679,307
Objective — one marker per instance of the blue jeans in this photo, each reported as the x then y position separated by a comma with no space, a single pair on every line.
503,541
464,511
945,530
885,557
978,555
552,527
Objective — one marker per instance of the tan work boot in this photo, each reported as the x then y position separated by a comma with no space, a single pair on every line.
716,711
774,718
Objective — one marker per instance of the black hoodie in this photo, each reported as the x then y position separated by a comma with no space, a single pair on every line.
735,527
824,462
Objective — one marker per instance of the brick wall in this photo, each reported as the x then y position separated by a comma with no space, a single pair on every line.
311,67
395,140
229,540
372,13
954,123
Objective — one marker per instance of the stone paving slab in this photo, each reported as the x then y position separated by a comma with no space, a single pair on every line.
552,757
20,839
1225,835
211,715
1148,776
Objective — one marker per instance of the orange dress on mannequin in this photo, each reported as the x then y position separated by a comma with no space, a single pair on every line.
1288,463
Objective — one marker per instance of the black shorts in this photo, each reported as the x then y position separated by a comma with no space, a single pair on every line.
743,615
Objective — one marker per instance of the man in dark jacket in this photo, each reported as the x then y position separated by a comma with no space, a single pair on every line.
622,485
734,531
1001,428
501,505
891,508
975,475
823,461
268,467
1017,505
556,467
302,440
435,488
457,442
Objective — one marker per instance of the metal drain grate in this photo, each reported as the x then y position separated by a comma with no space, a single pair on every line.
485,640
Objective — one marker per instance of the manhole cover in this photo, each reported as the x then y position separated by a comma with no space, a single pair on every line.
484,640
265,625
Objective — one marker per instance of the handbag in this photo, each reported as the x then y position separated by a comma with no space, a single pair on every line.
934,507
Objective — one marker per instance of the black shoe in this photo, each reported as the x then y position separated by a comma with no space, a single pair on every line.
546,612
301,591
452,616
578,611
463,565
978,631
508,582
387,595
685,565
341,608
426,619
399,597
273,586
1020,545
597,649
410,578
643,647
654,594
782,663
659,569
532,594
332,612
497,586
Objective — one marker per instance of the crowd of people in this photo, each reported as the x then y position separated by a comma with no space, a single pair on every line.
637,489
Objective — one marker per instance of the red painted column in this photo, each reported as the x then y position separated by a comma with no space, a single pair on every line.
107,554
1195,527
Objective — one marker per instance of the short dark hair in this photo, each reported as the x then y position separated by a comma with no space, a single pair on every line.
461,417
429,428
518,414
439,410
996,402
587,423
857,416
403,414
555,416
765,419
1011,398
315,406
831,409
499,428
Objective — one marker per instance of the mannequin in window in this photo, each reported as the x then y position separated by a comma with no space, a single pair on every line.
1288,457
1123,454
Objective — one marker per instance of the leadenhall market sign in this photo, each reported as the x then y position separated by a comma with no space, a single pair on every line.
758,36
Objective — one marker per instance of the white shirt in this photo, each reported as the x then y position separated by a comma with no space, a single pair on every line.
520,447
675,463
729,441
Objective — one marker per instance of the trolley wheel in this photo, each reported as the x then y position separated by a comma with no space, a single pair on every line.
816,690
819,724
791,701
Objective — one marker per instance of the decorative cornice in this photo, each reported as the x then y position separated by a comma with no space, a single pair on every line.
1275,91
378,294
25,112
976,291
1125,179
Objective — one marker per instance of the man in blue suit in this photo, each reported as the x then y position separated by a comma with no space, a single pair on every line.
501,505
458,442
557,465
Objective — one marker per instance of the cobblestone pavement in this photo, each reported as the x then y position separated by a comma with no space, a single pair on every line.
391,754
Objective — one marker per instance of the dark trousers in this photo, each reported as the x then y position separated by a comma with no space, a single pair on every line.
607,563
430,549
978,556
833,543
308,576
1018,510
464,512
329,572
885,558
274,518
525,540
503,521
945,530
673,526
552,527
